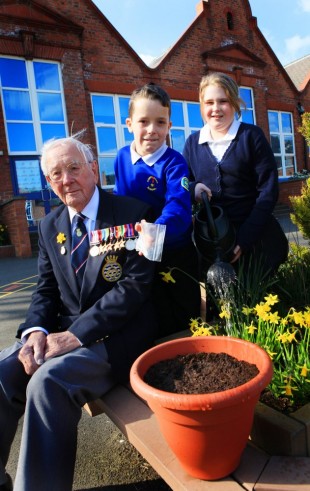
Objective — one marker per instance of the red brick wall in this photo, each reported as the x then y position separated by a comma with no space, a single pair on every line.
95,58
289,188
13,215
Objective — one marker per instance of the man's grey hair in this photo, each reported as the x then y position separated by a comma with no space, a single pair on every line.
84,149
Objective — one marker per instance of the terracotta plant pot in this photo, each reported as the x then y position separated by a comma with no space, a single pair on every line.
206,432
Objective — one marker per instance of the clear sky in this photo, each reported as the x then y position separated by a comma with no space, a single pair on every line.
152,26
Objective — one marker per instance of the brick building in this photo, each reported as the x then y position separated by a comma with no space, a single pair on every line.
64,67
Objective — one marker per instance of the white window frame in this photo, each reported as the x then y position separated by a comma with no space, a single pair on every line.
282,135
33,96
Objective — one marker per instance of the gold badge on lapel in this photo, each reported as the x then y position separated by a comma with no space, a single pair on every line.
112,270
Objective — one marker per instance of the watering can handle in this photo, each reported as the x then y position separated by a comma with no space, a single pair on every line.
210,220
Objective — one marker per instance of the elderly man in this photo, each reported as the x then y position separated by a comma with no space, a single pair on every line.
89,318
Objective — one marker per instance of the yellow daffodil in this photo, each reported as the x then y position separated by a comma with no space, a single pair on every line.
61,238
291,336
273,317
262,310
304,371
298,318
203,331
270,353
251,329
246,310
307,318
224,314
271,299
167,277
288,388
283,337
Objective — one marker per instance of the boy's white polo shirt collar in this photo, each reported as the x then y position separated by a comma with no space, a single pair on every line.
149,159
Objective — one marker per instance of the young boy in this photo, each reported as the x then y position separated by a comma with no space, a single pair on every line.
153,172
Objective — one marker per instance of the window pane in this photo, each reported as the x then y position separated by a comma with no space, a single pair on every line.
289,162
288,143
128,137
177,140
107,140
273,121
275,143
123,106
46,76
106,171
17,105
194,116
286,123
177,114
21,137
246,96
50,107
103,109
52,131
13,73
247,116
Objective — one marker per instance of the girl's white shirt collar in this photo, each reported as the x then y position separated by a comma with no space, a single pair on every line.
206,137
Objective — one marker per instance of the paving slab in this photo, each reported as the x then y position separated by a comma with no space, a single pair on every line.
285,474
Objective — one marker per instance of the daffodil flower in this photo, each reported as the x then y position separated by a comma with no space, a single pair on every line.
61,238
167,277
251,329
271,299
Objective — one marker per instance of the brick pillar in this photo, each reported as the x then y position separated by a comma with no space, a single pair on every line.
13,215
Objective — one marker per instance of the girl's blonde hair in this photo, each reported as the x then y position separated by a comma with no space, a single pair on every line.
228,84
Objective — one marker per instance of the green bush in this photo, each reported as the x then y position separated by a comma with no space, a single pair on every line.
301,210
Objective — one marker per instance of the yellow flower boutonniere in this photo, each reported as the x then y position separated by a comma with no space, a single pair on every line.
61,238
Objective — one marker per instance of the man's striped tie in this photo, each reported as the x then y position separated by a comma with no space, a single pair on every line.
80,247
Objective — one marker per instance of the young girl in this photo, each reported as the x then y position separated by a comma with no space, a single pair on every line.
153,172
233,162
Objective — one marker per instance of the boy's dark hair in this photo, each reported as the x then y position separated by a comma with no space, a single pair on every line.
150,91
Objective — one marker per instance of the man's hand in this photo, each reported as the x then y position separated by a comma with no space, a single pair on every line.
60,343
31,354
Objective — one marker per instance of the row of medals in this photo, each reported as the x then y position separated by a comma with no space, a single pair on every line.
113,245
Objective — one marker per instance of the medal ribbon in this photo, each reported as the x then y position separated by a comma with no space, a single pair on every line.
126,231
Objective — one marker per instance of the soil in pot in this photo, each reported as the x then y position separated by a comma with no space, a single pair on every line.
200,373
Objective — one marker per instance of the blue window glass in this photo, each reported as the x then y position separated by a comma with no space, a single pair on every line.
123,106
17,105
246,96
52,131
286,123
50,107
194,116
247,116
21,137
103,109
46,76
177,139
177,117
13,73
128,137
107,140
106,171
273,121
